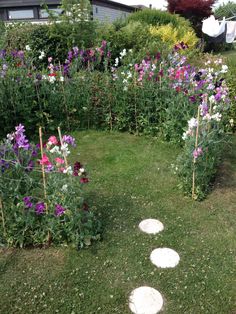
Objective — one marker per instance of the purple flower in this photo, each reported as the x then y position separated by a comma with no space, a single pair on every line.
27,202
20,54
192,98
69,140
2,54
30,166
40,208
59,210
218,97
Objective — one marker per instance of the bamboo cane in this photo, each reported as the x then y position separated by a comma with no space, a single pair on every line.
43,169
61,141
160,75
64,99
3,219
194,160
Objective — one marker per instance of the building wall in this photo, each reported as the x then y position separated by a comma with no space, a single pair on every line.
108,14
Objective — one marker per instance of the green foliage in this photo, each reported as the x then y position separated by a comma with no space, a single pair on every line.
226,10
2,34
205,166
157,17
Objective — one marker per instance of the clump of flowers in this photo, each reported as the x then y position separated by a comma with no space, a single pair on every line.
50,210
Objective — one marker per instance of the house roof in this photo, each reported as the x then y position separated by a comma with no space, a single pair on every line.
25,3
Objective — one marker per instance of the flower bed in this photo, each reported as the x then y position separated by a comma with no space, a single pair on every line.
41,199
155,96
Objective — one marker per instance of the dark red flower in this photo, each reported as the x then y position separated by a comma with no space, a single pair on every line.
84,180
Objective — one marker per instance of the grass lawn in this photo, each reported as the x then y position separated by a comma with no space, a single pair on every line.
131,179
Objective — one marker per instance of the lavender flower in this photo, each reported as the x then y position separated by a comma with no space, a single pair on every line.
69,140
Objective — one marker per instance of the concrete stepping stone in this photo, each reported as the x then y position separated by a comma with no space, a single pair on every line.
151,226
145,300
164,258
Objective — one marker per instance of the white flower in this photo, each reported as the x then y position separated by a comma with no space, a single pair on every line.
51,79
116,62
129,75
62,79
64,149
231,121
207,117
125,81
27,48
64,188
212,99
185,136
55,149
217,116
68,170
42,55
82,170
224,68
125,88
44,77
192,123
123,53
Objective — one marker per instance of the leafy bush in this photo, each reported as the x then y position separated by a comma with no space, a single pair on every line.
157,17
38,212
172,35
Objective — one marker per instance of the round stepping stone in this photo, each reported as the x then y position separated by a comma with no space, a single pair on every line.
151,226
145,300
164,258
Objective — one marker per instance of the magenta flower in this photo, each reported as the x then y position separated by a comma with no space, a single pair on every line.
40,208
59,210
27,202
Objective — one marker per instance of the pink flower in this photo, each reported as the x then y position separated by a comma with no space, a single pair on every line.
59,161
50,59
197,152
53,140
44,161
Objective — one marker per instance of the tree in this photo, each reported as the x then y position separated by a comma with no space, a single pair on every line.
194,10
226,10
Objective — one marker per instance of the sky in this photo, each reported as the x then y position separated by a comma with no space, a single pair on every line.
159,4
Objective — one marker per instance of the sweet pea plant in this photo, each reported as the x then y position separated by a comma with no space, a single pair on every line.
205,136
33,213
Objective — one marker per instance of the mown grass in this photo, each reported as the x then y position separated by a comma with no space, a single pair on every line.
131,179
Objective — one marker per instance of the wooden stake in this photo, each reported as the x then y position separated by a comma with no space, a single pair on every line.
194,159
64,98
160,75
43,169
61,141
3,219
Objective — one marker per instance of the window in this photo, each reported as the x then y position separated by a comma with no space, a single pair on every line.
96,10
43,14
21,14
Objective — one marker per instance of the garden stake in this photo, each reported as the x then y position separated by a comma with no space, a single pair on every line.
64,98
43,170
61,141
3,219
160,75
194,159
44,179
